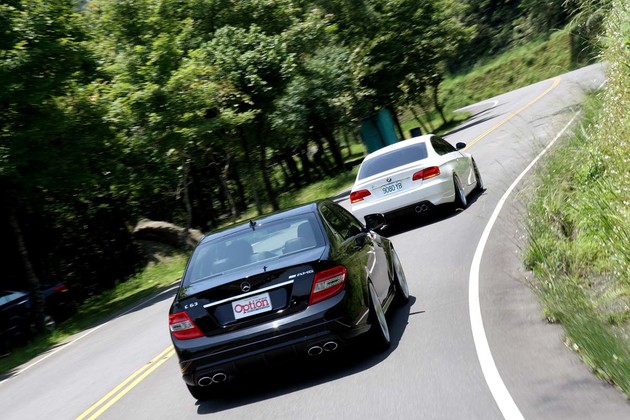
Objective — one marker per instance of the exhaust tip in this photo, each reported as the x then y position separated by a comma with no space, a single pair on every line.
330,346
315,351
205,381
421,208
217,378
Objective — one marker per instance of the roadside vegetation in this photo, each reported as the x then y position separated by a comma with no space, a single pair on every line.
521,66
580,220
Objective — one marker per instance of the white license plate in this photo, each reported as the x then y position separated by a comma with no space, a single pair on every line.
392,188
251,306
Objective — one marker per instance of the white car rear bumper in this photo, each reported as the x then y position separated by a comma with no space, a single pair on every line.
435,191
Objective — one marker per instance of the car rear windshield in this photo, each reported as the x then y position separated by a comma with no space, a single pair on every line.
393,159
264,244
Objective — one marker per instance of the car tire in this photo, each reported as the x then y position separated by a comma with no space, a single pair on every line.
201,393
461,202
479,187
402,288
379,331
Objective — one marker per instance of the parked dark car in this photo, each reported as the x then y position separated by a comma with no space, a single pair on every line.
17,318
59,301
298,282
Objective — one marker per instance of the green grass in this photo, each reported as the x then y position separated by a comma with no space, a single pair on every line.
438,127
521,66
580,223
100,308
322,189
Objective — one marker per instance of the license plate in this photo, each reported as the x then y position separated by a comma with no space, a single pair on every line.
251,306
392,188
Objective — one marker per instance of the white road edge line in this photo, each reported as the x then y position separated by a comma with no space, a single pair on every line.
499,391
66,345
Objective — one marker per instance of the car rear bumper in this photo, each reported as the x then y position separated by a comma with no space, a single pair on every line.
264,345
438,191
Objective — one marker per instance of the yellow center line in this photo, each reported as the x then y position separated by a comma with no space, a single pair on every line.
556,82
129,383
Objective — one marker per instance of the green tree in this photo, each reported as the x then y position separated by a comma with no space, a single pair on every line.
49,127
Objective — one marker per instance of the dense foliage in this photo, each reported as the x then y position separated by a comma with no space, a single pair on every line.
579,221
193,111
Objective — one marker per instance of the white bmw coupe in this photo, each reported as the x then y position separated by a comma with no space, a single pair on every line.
413,176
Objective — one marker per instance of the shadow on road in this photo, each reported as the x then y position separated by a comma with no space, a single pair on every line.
306,372
476,119
429,217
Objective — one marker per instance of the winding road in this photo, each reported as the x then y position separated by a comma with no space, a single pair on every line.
471,344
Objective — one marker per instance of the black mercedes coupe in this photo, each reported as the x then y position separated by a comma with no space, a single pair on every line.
298,282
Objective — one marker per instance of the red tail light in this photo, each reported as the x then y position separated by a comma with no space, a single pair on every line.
61,288
182,327
327,284
426,173
357,196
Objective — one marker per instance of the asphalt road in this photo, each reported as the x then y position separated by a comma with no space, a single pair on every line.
458,352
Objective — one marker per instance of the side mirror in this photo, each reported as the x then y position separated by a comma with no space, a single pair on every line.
460,146
374,221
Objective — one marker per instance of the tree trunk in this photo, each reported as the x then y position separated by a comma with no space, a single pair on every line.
320,157
241,202
293,169
262,134
424,106
306,165
417,118
29,273
271,195
206,205
253,180
436,101
401,135
333,145
288,181
186,194
223,176
346,141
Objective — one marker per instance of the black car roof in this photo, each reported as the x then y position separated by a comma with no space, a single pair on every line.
267,218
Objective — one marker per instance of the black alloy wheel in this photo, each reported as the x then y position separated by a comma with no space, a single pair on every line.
460,196
479,187
402,288
379,330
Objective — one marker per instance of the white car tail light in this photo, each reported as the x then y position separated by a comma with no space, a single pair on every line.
426,173
357,196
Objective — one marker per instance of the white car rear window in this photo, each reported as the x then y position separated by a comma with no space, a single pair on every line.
393,159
